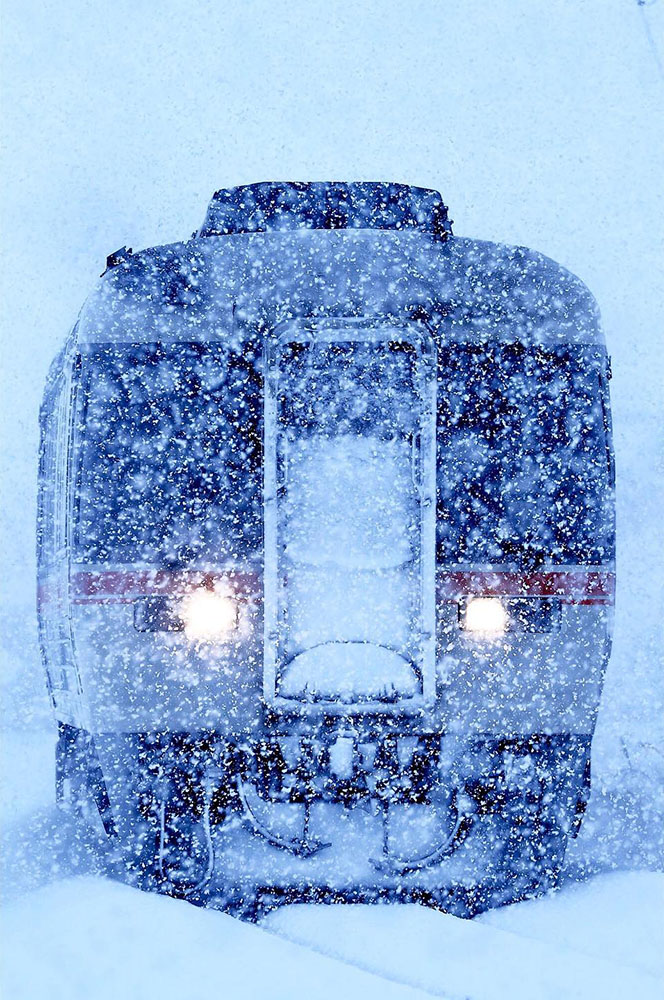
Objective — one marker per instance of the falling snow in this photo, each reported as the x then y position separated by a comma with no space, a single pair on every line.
325,502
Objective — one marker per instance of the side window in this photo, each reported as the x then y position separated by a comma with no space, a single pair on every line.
54,455
45,516
608,432
50,526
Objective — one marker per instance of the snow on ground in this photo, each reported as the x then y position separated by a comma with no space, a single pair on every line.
99,940
93,938
578,943
616,916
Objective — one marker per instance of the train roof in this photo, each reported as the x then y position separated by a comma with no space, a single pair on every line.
269,253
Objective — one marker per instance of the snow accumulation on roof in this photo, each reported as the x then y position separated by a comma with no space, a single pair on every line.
220,286
270,252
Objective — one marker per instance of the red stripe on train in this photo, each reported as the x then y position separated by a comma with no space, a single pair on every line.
121,587
574,586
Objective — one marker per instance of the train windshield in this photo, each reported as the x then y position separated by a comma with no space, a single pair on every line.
523,456
169,454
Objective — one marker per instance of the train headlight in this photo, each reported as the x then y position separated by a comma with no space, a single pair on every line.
485,616
208,616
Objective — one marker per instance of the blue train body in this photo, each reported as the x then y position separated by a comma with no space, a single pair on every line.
326,554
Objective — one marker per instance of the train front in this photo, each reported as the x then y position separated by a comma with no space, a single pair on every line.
326,555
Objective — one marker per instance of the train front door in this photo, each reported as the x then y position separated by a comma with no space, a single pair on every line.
350,517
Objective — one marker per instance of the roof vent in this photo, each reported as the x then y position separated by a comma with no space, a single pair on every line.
281,206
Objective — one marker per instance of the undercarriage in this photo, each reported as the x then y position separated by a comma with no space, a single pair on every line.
245,825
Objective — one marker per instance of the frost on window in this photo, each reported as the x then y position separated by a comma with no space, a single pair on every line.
522,457
169,464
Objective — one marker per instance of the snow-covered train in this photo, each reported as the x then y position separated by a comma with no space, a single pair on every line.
326,555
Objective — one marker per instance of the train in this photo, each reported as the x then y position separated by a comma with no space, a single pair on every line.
326,556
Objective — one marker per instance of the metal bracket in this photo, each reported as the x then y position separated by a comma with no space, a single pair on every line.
395,864
304,846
